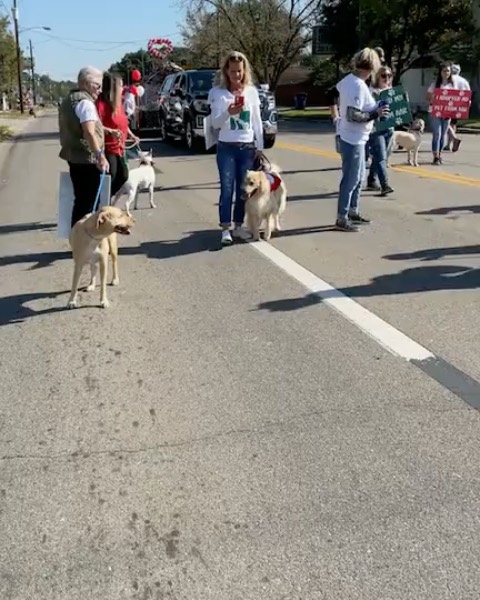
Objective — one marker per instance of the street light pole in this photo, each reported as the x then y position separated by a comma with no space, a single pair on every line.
19,58
32,70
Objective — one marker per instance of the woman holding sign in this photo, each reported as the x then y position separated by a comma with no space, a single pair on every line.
379,140
440,125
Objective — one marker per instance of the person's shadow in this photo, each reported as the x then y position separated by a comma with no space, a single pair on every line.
13,309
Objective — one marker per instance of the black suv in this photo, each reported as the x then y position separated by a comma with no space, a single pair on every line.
183,106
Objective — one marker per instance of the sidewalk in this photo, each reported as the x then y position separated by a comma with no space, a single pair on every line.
18,126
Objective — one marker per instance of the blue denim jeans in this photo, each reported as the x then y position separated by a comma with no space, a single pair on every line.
378,147
439,131
353,171
233,161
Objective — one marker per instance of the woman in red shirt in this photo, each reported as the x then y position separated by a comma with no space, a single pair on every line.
115,125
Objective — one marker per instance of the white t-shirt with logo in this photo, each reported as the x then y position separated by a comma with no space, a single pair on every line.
354,92
246,127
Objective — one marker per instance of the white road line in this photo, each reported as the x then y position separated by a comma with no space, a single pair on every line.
385,334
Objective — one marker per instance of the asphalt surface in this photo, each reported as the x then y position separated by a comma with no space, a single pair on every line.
219,434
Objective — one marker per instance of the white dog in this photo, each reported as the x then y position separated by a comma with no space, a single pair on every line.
411,140
265,199
141,178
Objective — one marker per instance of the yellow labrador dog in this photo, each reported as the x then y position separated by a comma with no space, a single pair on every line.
265,200
92,239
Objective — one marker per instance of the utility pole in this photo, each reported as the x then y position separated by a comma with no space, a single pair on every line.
219,57
19,57
32,71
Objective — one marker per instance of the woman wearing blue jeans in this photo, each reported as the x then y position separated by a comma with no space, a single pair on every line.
235,113
358,110
379,140
439,125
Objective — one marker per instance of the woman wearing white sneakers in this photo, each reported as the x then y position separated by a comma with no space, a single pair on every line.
235,113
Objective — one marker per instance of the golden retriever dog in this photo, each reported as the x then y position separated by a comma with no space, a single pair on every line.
411,140
265,200
92,239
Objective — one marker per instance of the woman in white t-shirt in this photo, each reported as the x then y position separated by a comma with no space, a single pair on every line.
358,111
439,125
235,112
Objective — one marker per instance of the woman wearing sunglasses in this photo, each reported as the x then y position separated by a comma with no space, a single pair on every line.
379,140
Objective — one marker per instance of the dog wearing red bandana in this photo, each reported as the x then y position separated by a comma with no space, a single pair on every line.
265,196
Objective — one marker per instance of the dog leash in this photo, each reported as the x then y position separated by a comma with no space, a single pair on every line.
99,191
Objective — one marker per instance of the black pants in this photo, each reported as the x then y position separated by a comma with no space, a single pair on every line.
85,180
118,172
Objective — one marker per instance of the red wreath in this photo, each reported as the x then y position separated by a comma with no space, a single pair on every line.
160,47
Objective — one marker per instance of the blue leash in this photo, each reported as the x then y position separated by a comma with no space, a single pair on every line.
99,191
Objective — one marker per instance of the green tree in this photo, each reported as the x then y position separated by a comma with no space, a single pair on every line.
405,29
272,33
8,58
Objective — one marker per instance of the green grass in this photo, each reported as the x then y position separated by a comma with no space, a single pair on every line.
6,133
475,123
307,114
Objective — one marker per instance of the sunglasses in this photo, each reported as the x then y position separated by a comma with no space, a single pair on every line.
386,75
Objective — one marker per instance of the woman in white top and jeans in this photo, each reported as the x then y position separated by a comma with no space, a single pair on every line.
358,110
235,112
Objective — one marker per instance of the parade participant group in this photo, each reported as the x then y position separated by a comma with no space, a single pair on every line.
98,117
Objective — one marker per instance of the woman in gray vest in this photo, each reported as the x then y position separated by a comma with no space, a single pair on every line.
82,140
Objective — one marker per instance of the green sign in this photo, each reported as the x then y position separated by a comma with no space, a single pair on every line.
400,113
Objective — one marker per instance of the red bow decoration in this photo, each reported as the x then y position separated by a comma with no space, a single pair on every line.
160,47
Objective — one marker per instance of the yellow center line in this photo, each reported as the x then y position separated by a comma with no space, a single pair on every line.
421,172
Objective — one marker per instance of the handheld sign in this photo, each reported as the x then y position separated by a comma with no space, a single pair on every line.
66,199
451,104
400,112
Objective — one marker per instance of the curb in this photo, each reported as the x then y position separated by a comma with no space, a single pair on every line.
469,130
466,130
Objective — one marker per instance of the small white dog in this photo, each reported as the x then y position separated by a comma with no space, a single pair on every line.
141,178
411,140
265,199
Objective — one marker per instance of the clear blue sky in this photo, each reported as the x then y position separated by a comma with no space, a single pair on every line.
105,30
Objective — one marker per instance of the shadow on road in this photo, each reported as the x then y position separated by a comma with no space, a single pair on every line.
409,281
13,309
193,186
37,136
312,170
21,227
324,196
447,210
435,253
40,259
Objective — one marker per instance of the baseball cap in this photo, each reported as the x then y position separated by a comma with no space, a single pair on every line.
456,69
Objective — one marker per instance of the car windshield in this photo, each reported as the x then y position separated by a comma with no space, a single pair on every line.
202,81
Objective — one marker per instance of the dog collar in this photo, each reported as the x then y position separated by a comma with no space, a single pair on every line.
93,237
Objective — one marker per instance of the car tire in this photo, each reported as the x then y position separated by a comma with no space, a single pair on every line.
162,128
269,141
193,143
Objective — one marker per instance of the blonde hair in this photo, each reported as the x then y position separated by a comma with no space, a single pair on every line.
222,80
366,60
377,75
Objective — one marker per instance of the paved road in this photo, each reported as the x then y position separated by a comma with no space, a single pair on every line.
222,432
